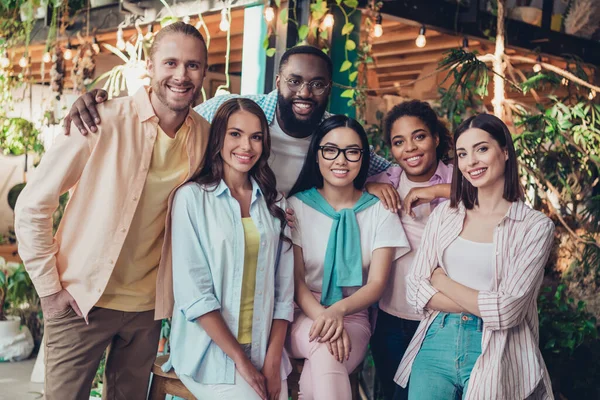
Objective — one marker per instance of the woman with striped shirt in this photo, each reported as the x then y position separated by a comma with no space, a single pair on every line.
476,278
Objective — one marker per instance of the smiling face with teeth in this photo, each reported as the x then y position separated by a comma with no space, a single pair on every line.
481,159
243,143
414,148
339,172
177,69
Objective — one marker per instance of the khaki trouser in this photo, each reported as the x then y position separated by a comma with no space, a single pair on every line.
74,350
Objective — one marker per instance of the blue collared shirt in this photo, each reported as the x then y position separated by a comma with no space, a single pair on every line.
208,263
268,103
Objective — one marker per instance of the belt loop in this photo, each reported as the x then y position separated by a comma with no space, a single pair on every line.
444,315
479,324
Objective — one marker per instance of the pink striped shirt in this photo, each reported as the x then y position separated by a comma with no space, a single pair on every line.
511,366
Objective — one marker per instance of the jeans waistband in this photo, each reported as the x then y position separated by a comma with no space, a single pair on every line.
464,319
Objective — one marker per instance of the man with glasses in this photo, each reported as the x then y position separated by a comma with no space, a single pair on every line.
293,110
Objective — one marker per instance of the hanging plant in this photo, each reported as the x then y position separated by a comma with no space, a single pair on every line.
19,136
57,72
84,66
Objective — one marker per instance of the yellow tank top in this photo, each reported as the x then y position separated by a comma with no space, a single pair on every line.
252,243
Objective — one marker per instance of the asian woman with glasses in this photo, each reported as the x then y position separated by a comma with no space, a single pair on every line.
344,243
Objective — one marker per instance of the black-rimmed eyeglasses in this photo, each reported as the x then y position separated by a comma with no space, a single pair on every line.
351,154
316,87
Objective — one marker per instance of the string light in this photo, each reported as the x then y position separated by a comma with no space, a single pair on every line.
269,12
465,44
537,68
421,39
224,25
592,94
47,57
565,81
69,51
378,29
4,60
328,21
186,19
95,45
120,40
23,62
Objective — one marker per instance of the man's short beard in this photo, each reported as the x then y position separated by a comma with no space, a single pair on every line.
160,93
292,124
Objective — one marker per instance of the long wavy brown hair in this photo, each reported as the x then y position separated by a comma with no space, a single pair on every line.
212,171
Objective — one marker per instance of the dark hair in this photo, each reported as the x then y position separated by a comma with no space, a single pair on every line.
310,176
212,171
423,111
462,190
304,49
177,27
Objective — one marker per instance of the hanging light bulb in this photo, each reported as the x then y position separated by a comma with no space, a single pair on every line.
269,12
465,44
120,40
186,19
68,51
199,25
565,81
4,60
592,94
224,25
24,61
378,29
421,39
95,45
328,21
47,57
537,68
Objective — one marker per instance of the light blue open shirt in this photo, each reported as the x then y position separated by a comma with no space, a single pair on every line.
208,264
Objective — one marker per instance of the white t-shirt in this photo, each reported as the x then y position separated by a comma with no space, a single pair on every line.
470,263
287,156
378,228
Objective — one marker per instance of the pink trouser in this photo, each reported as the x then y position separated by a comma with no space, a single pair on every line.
323,377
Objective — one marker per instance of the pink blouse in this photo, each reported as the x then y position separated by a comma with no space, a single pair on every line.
511,365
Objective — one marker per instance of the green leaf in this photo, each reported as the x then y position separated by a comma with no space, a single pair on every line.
302,32
352,76
271,52
266,43
278,3
351,3
324,34
283,15
338,2
348,27
345,66
348,94
350,45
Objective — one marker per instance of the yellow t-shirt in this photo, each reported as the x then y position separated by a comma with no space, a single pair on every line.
132,285
252,243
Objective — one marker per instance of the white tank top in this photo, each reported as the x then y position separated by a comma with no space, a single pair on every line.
470,263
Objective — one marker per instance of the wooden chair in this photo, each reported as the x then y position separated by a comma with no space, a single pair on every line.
164,383
294,379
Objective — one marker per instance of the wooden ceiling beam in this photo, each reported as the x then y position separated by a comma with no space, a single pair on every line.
397,78
401,34
408,46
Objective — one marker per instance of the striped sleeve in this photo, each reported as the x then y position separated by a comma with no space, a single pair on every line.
419,288
378,164
507,307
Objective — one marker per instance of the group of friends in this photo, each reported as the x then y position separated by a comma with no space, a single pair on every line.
268,230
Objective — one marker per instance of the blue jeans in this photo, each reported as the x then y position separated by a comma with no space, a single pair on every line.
444,363
388,344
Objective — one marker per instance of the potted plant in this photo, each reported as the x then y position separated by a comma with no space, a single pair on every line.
8,327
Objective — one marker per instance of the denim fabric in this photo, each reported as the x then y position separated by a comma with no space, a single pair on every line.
388,344
444,363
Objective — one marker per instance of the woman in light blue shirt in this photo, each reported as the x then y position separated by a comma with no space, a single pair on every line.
232,266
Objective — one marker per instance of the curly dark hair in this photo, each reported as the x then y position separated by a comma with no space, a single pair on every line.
423,111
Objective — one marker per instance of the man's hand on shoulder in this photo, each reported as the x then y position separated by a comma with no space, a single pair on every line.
83,112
